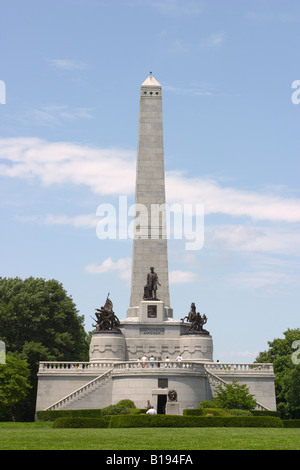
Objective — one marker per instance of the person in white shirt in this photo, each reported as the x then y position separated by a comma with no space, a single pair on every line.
179,359
167,362
144,359
151,411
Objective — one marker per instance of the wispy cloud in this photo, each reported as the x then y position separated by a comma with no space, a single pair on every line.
173,7
264,282
261,259
269,16
68,64
66,112
182,277
104,171
77,221
112,172
53,115
231,201
273,238
193,90
213,41
122,266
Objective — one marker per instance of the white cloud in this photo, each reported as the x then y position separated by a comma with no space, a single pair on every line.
122,266
214,40
265,282
53,115
229,200
182,277
78,221
268,239
281,17
174,7
189,90
65,112
104,171
112,172
68,64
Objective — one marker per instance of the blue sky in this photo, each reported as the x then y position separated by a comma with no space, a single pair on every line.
73,70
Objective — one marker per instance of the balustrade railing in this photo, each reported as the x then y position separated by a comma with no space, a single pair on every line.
234,367
158,365
213,367
70,367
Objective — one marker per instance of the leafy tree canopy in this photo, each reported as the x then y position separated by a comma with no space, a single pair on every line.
14,382
36,314
284,353
234,396
40,322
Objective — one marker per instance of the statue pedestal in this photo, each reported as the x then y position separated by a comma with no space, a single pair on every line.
107,346
152,311
145,314
172,408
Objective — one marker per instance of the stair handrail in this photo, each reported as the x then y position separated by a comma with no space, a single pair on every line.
79,390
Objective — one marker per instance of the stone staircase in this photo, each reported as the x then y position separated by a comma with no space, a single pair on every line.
214,381
82,392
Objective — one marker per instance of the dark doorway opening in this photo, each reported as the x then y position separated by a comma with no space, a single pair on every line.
161,404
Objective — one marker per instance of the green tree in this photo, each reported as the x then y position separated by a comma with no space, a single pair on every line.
234,396
14,383
40,322
291,393
285,361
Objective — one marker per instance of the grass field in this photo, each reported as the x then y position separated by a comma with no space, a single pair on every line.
41,436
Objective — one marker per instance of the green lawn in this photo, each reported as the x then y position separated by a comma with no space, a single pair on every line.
41,436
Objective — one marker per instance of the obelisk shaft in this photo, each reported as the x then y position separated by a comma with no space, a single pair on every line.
150,243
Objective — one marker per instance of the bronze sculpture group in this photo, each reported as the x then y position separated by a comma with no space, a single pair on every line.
197,321
108,321
106,318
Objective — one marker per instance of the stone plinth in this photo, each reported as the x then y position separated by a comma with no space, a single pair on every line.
196,347
172,408
107,346
152,311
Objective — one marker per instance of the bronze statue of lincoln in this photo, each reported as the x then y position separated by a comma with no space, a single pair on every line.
151,286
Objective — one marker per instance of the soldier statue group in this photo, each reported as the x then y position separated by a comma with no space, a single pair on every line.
197,321
106,318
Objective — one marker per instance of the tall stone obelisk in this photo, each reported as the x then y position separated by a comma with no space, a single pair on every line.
150,241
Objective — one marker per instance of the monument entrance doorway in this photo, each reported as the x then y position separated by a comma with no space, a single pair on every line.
161,404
